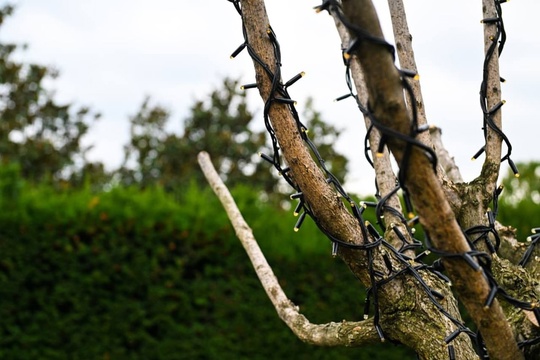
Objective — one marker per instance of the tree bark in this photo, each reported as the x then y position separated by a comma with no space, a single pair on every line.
406,313
447,170
388,106
476,197
405,54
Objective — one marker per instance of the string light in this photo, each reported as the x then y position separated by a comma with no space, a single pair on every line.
300,221
267,158
451,352
395,260
513,167
298,207
498,42
342,97
238,50
294,79
478,153
248,86
335,248
490,20
409,74
533,241
296,196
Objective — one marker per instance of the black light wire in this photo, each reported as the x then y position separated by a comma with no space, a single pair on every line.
372,238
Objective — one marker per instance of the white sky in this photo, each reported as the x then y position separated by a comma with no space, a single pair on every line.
113,53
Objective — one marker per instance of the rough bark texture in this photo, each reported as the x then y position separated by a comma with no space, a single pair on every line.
410,318
384,174
326,205
446,169
477,196
330,212
406,314
388,106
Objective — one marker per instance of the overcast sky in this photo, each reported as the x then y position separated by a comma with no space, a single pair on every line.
112,53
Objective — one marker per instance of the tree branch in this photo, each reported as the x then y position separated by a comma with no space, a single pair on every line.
388,106
345,333
445,160
504,271
386,98
491,89
447,170
406,60
404,294
326,205
384,173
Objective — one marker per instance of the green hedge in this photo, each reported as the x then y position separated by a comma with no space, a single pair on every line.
130,274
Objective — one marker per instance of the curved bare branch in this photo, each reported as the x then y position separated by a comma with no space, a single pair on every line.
345,333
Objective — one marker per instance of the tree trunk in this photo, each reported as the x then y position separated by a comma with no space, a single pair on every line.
402,290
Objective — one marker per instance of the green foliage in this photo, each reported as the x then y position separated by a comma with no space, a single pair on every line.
37,132
131,274
44,137
148,135
520,200
219,125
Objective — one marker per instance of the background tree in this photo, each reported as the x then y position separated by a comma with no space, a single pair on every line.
410,303
221,123
147,135
36,131
522,198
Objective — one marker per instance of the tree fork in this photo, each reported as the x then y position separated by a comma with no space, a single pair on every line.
388,105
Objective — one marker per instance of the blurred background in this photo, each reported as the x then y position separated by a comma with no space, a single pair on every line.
111,57
111,244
